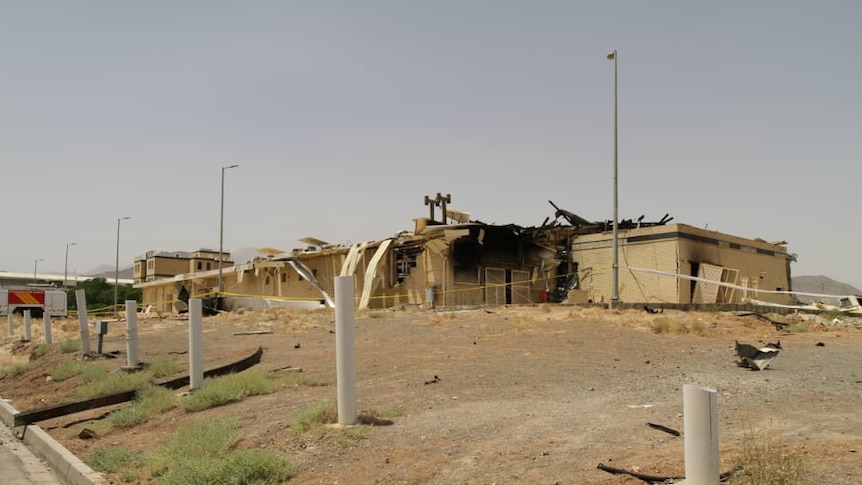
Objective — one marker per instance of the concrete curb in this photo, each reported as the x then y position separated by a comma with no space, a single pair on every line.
67,466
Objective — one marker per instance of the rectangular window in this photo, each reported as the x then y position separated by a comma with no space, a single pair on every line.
208,266
284,277
200,266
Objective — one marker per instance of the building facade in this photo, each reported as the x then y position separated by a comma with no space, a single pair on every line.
678,263
476,264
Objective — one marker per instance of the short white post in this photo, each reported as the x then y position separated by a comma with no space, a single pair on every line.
196,347
46,322
345,350
10,320
27,325
132,333
81,305
700,418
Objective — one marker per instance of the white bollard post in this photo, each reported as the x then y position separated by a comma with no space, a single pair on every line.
700,418
345,350
27,325
10,321
196,350
46,322
81,305
132,333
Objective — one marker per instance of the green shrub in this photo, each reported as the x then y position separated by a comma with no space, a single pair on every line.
315,416
209,437
66,370
13,370
231,388
201,453
389,413
241,467
114,383
164,366
95,371
40,351
112,460
148,402
69,346
350,436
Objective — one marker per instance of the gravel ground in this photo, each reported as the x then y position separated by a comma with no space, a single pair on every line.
539,394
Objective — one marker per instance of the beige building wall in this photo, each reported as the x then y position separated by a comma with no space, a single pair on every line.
594,256
675,248
161,267
196,265
140,271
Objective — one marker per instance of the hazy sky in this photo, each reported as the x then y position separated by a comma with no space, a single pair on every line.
743,117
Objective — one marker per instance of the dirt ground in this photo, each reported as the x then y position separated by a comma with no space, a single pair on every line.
538,395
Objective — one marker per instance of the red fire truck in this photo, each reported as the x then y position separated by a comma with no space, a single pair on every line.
37,300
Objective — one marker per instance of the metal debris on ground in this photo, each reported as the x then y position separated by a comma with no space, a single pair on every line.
754,357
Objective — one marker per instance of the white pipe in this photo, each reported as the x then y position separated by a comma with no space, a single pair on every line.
700,417
27,325
46,321
345,350
81,305
10,321
132,333
196,338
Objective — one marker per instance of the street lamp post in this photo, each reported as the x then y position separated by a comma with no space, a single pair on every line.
117,266
221,229
66,265
35,267
615,295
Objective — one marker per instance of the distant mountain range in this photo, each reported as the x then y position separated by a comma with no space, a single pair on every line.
823,285
108,272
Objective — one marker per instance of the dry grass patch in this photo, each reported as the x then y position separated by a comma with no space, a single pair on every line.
661,325
764,461
677,326
697,327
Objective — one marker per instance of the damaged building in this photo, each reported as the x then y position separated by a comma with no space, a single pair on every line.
449,260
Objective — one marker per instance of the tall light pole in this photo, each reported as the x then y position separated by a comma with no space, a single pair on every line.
117,266
66,265
35,267
221,229
615,295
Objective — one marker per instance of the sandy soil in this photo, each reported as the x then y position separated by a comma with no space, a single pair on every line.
524,395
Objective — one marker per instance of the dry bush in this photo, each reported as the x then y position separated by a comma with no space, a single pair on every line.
435,320
697,327
679,327
661,325
764,461
591,313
